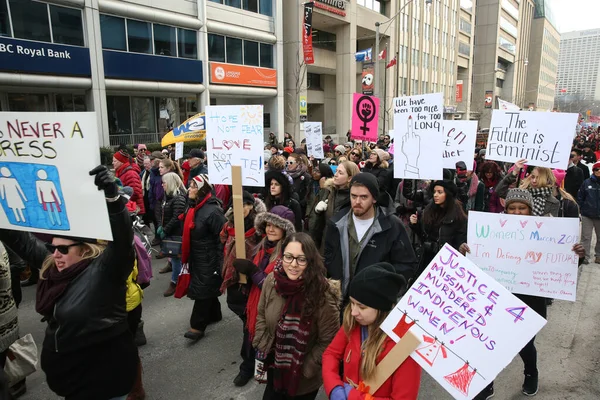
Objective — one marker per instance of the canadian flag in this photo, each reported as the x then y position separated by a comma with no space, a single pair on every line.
383,54
391,63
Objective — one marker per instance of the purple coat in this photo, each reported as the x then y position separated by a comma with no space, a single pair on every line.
156,193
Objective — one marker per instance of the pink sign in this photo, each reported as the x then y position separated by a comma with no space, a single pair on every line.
365,117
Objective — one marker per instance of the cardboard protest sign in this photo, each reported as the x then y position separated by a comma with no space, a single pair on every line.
459,143
365,117
234,136
418,134
471,326
313,132
543,139
527,255
192,129
45,184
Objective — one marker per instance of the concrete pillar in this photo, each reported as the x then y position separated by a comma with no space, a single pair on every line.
345,74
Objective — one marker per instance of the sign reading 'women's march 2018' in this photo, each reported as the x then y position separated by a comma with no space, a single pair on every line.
470,326
544,139
234,136
45,186
527,255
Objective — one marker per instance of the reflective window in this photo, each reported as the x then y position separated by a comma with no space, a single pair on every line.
188,43
250,5
464,25
112,30
266,7
4,20
313,81
324,40
216,48
266,55
30,20
251,53
28,102
464,48
234,50
508,26
119,115
138,36
142,115
70,102
165,40
232,3
67,26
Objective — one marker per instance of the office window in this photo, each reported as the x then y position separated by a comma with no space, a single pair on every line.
187,43
232,3
112,30
30,20
465,25
67,27
142,115
4,20
464,48
250,5
234,51
70,102
165,40
313,81
28,102
266,7
216,47
266,55
119,115
138,36
324,40
251,53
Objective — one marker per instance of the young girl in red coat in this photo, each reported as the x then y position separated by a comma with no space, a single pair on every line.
360,344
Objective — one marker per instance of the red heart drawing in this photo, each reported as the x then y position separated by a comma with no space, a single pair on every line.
228,144
523,223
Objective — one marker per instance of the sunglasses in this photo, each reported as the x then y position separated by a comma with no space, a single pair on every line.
354,154
291,162
595,169
572,156
62,248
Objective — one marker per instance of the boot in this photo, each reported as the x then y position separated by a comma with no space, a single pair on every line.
167,268
170,290
140,337
138,392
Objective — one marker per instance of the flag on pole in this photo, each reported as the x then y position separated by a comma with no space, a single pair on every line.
391,63
383,54
507,106
364,55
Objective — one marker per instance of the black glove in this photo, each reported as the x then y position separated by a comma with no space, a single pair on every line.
105,181
244,266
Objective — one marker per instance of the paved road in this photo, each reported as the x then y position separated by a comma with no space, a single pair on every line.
568,348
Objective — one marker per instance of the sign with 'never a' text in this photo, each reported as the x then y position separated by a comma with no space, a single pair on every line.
45,186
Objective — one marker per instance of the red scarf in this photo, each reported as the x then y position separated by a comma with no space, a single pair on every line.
254,297
188,225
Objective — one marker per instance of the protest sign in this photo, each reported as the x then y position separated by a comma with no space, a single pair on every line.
541,138
471,326
234,136
365,117
45,186
192,129
178,150
459,143
418,133
527,255
313,132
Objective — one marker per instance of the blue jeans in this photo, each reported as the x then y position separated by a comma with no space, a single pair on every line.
176,264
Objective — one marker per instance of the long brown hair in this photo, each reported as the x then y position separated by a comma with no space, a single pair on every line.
373,346
315,283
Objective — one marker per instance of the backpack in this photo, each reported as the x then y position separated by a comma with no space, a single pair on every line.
144,264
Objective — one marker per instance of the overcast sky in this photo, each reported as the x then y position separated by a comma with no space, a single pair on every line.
576,15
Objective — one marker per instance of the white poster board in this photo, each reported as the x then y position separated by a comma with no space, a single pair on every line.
45,184
418,136
459,143
234,136
527,255
313,132
471,326
541,138
178,150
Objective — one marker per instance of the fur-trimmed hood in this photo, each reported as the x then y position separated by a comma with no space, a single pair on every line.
335,289
259,207
260,223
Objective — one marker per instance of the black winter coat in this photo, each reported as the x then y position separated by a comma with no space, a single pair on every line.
383,176
206,251
301,187
573,180
173,207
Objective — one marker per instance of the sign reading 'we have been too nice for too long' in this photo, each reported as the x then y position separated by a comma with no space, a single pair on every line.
45,186
234,137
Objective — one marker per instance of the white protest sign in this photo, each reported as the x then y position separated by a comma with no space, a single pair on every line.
527,255
313,132
418,136
178,150
45,184
471,326
541,138
459,143
234,136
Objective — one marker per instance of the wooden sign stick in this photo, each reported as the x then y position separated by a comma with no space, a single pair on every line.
238,216
390,363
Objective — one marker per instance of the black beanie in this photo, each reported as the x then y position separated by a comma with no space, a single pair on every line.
449,187
377,286
247,198
369,181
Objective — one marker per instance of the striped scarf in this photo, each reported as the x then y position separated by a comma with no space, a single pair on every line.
291,336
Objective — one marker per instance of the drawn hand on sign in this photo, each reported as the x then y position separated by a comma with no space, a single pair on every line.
411,148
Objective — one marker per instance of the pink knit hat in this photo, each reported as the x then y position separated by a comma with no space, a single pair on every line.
559,174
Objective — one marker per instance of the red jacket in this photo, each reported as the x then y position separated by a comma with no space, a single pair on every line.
130,178
402,385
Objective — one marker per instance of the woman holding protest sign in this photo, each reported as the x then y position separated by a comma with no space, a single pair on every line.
360,345
88,351
521,202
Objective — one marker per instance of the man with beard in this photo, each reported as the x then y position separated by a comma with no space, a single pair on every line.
366,234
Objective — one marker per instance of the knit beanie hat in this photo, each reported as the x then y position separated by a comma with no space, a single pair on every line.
559,174
518,195
122,156
596,165
325,170
377,286
368,180
247,198
449,187
339,148
201,181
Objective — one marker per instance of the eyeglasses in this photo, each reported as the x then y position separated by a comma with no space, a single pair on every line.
300,260
62,248
291,162
332,163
